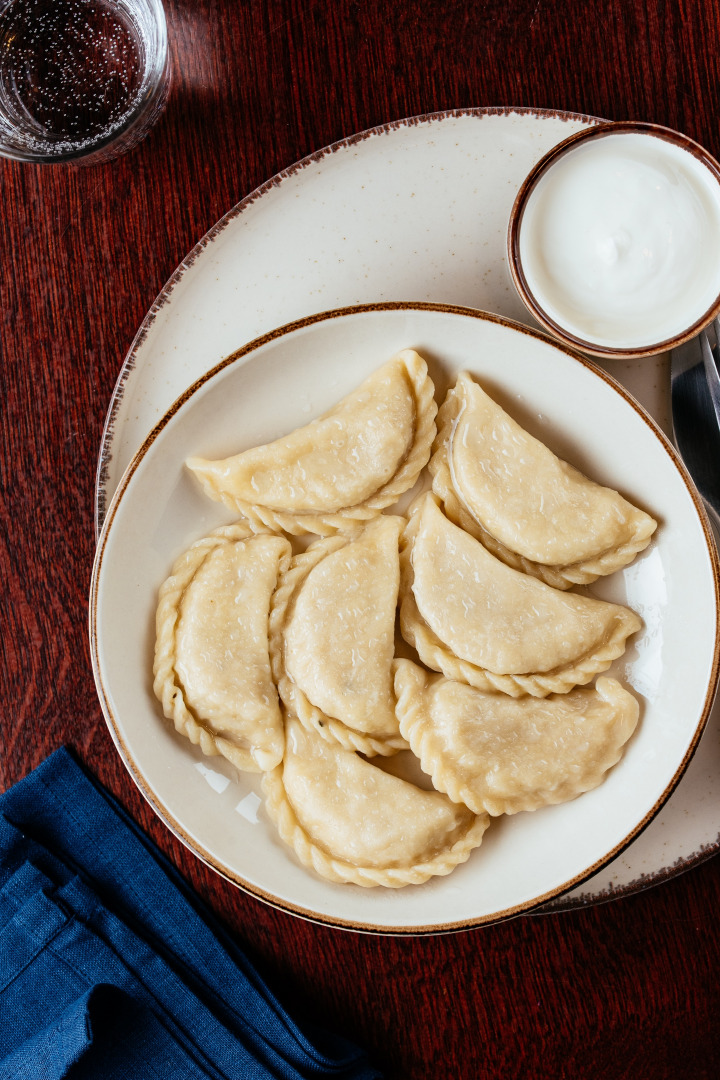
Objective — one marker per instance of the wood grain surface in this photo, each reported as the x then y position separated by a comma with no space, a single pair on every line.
626,989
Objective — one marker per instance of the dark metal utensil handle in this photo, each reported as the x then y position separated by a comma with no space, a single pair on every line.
696,425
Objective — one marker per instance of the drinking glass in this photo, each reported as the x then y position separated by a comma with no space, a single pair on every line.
80,80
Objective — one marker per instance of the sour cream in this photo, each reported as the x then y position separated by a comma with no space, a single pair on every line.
619,240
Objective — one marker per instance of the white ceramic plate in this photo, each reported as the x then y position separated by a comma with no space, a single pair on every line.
415,210
281,382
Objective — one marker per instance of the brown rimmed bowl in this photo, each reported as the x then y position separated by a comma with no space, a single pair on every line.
281,381
537,304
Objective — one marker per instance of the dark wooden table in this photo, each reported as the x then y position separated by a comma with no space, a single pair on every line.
626,989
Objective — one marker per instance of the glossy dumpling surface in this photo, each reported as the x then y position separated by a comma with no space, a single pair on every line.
333,636
476,619
501,754
343,467
532,509
212,664
350,821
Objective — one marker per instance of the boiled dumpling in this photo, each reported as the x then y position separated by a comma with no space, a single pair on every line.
475,619
342,468
350,821
499,754
212,664
333,636
530,508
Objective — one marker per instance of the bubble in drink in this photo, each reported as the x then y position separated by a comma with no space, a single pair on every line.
71,71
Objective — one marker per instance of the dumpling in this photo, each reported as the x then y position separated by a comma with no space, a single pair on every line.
477,620
351,822
212,665
530,508
332,636
342,468
500,755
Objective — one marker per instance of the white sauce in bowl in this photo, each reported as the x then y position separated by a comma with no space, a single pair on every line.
620,240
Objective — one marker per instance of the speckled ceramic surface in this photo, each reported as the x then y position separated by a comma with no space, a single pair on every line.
416,210
671,665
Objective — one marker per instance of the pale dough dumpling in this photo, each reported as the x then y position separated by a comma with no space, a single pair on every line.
340,469
212,664
351,822
475,619
332,636
530,508
501,755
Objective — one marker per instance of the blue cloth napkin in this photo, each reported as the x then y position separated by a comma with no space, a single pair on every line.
111,967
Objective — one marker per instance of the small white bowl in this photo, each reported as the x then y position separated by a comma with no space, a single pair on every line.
614,240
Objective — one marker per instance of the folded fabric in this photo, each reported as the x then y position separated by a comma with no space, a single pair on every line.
110,965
